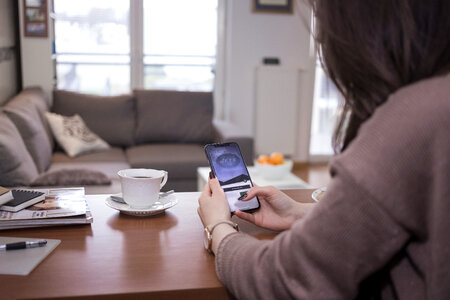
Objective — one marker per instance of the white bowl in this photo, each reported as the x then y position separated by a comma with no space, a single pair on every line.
274,171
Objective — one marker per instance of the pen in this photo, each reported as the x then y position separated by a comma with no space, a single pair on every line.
23,245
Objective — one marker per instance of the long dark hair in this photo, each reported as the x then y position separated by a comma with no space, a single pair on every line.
369,49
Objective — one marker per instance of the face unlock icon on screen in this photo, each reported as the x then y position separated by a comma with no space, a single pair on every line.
228,160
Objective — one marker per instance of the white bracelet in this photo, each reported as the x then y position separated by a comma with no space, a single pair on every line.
209,230
211,227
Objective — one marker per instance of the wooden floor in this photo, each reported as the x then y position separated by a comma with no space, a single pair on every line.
316,174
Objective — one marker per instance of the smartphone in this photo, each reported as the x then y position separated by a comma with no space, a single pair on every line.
229,167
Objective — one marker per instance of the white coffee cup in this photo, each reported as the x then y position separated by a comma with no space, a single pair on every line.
140,187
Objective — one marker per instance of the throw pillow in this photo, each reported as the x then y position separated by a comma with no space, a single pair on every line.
16,165
73,135
37,96
25,115
71,177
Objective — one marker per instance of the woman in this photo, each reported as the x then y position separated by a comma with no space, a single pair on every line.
382,228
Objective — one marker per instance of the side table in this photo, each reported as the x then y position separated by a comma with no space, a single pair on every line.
288,182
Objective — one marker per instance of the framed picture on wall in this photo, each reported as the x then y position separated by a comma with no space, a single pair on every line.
35,18
273,6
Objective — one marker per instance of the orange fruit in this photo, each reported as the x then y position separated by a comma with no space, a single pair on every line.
263,159
276,158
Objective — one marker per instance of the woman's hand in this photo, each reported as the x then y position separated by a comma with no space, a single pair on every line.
213,208
277,211
213,205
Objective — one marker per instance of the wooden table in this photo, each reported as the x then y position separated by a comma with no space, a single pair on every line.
120,256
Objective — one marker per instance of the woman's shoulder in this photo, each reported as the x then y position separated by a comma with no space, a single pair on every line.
396,151
418,111
411,119
428,99
432,86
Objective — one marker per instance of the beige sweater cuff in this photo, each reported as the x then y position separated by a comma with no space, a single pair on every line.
220,252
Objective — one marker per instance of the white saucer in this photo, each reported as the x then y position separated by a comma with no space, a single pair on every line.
317,194
157,208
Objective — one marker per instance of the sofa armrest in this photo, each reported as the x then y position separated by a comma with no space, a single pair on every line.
228,132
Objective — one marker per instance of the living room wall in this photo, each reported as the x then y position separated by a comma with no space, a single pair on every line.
36,56
250,37
9,83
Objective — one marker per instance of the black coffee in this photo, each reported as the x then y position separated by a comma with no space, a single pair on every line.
144,177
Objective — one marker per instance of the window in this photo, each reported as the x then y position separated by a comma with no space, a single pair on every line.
92,43
180,51
101,44
324,114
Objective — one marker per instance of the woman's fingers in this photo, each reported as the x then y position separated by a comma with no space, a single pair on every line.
214,186
206,192
265,191
207,188
245,216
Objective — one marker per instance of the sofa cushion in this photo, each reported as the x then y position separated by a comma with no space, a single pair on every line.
112,154
180,160
73,135
38,97
71,177
109,162
173,116
110,169
25,114
111,117
16,164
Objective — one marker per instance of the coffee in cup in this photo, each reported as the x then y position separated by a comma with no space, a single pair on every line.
140,187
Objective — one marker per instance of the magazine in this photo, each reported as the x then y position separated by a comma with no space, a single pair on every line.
61,206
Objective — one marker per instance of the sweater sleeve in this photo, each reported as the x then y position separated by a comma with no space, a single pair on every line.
324,256
388,200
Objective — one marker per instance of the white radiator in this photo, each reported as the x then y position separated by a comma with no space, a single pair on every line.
276,109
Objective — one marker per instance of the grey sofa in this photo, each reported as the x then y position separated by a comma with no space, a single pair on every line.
146,129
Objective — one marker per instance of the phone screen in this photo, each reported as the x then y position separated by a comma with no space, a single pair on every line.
229,167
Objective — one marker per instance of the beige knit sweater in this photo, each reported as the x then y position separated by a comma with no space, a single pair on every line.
382,230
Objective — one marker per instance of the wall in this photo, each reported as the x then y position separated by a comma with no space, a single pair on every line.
251,37
8,67
36,53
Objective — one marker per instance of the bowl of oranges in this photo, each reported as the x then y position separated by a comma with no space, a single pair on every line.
273,166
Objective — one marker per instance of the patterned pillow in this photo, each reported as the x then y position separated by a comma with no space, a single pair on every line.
73,135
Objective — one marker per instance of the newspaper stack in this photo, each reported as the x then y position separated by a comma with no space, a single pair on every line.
63,206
